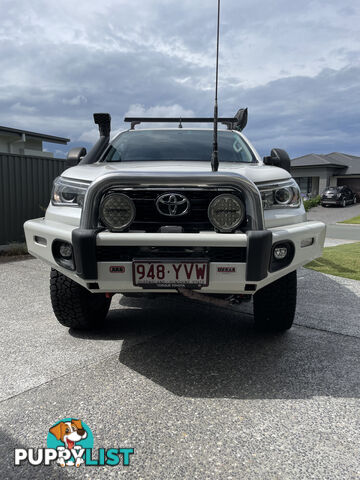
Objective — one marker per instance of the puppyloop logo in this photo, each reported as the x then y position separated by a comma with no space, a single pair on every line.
70,443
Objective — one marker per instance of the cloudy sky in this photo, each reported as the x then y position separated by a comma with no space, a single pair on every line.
295,65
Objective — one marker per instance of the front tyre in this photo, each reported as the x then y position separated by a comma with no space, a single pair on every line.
275,304
73,305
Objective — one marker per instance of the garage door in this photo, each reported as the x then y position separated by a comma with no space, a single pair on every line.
353,183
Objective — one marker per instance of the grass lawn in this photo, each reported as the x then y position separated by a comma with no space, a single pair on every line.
352,220
342,261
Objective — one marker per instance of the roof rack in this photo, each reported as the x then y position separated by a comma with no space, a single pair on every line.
238,122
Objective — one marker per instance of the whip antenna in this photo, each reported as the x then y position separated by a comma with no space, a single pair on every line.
214,156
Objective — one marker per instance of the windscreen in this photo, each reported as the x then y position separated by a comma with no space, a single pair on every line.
177,145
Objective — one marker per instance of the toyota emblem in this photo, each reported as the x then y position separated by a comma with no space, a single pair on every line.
172,204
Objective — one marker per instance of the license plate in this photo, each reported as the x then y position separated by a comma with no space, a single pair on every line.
169,274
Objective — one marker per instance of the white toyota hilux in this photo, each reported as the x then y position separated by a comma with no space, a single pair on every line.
145,213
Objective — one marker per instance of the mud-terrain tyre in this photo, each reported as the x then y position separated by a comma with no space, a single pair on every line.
275,304
73,305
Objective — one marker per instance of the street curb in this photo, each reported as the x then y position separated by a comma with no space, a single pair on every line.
344,224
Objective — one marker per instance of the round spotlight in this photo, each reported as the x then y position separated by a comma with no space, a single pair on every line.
117,211
226,212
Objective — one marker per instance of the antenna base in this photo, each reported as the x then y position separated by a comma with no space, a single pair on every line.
214,161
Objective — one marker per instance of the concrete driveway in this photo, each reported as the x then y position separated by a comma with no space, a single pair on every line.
194,390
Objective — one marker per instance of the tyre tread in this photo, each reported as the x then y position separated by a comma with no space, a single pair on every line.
73,305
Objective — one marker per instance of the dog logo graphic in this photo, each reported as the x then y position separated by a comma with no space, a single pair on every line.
68,433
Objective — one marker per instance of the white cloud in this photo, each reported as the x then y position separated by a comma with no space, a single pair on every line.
89,136
62,61
78,100
137,110
19,107
260,41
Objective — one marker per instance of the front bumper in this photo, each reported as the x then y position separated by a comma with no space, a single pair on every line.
246,276
331,201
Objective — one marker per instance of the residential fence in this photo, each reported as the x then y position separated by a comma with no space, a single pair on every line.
25,189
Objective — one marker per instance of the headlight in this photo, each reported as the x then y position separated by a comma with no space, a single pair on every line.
70,193
278,196
117,211
283,196
226,212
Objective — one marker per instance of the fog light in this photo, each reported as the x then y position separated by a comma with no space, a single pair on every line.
65,250
63,254
280,253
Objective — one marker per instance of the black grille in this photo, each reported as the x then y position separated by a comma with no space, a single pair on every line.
149,219
213,254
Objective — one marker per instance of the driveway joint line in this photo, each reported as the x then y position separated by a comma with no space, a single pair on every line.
326,331
99,360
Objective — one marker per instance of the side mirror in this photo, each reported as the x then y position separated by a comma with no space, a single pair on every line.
75,155
278,158
242,118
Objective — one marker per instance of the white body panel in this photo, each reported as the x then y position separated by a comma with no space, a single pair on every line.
285,224
257,172
219,282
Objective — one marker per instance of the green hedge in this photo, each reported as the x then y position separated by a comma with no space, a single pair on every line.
312,202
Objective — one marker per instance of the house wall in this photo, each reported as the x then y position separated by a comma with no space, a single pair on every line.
321,176
315,186
16,144
3,145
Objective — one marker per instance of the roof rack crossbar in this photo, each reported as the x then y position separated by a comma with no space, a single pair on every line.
178,119
233,123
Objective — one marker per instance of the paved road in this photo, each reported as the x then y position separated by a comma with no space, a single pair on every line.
347,232
330,215
193,389
336,233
